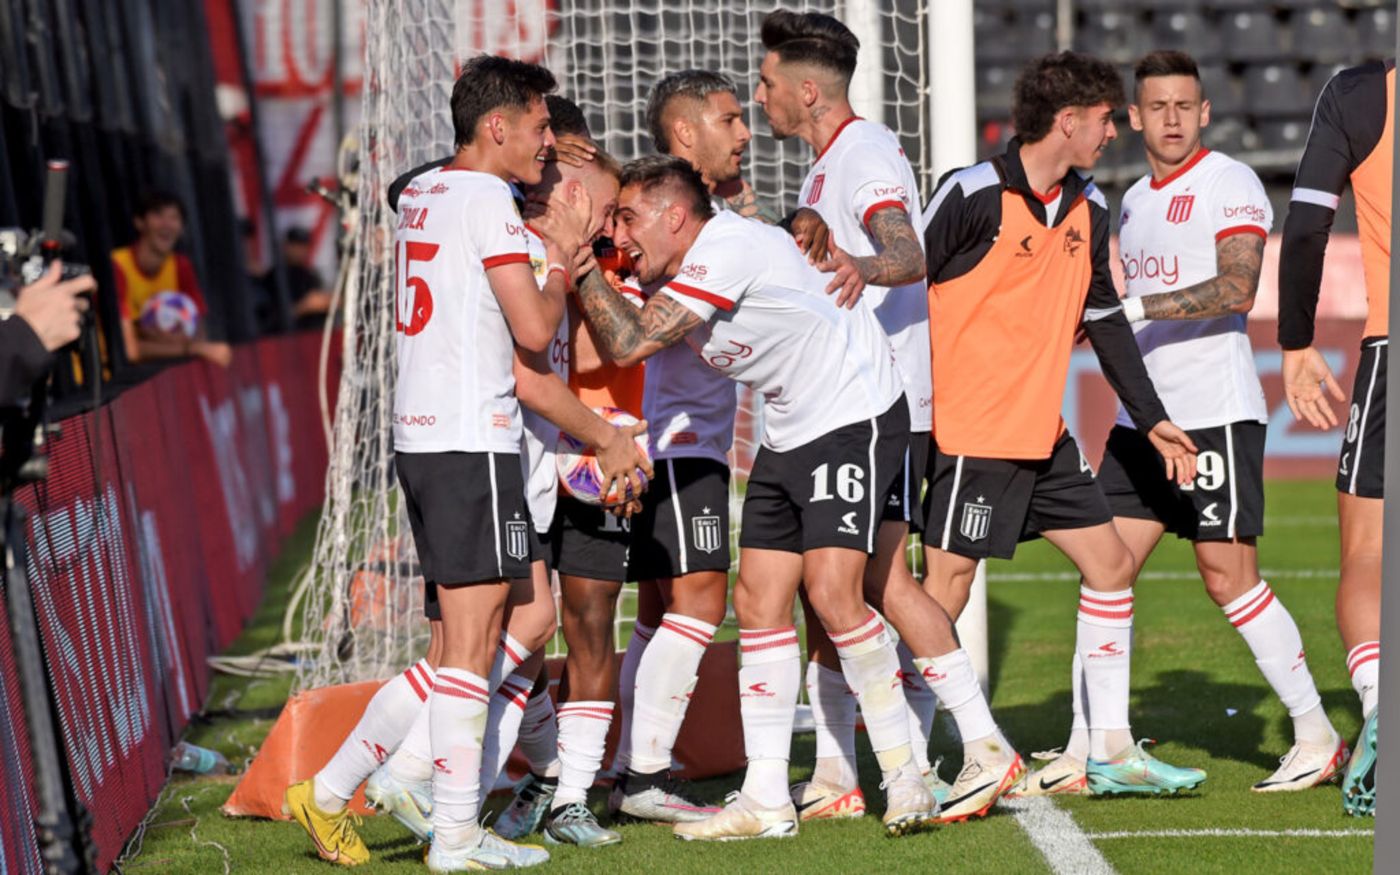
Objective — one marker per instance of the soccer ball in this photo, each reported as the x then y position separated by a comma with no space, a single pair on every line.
579,474
172,313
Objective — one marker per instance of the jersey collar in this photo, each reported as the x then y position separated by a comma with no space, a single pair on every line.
835,134
1176,174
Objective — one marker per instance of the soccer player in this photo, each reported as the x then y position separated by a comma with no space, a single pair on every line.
1017,251
835,428
1350,142
863,187
1192,243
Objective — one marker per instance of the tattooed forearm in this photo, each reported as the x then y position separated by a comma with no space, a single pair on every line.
1238,259
746,204
629,335
901,259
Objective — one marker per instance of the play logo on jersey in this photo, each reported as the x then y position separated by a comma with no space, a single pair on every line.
1179,210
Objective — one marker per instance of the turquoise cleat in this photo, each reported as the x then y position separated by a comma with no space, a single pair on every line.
1137,771
1359,786
574,824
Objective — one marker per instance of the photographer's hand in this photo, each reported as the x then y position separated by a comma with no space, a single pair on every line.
54,309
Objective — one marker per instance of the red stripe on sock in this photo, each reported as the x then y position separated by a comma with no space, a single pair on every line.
857,639
1360,650
1250,604
425,673
1369,657
580,711
769,645
684,623
1256,612
459,684
1103,602
511,652
1107,615
412,677
461,694
688,633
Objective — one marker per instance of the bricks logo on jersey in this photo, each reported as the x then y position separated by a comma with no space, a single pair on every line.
816,193
1179,210
694,271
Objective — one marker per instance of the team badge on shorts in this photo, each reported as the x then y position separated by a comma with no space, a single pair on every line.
976,520
704,531
517,539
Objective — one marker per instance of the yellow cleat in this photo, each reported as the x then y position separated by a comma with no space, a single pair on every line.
333,834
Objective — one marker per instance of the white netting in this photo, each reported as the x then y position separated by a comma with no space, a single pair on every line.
361,605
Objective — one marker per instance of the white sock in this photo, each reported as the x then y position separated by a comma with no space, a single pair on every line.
458,708
871,668
539,735
1364,666
412,763
769,676
381,729
1273,638
510,655
1104,640
627,693
503,727
920,705
1078,747
834,713
583,735
954,682
666,679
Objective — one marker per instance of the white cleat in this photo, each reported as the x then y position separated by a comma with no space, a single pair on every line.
909,806
980,784
489,851
1305,766
410,804
1063,775
815,800
741,819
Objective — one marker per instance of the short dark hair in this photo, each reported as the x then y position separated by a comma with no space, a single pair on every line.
490,82
565,116
685,84
156,199
1050,83
811,38
657,171
1163,62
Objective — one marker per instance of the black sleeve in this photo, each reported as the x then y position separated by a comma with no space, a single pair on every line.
23,360
1347,124
1112,337
398,185
958,228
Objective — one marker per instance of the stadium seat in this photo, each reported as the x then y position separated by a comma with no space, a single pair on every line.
1187,31
1113,36
1274,90
1376,29
1254,36
1318,77
1324,35
1222,90
1284,133
992,37
994,84
1229,135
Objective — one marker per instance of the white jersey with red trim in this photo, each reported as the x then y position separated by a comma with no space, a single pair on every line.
1203,369
456,387
540,437
861,171
772,327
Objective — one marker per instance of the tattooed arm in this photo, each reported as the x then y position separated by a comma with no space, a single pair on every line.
629,335
1238,259
900,259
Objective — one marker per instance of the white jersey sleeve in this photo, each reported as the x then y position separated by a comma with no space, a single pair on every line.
1238,203
711,279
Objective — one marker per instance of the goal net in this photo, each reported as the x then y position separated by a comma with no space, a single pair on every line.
359,611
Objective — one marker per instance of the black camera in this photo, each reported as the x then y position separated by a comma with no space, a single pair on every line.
23,259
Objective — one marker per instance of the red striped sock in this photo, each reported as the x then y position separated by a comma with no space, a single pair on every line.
1104,641
583,734
1364,666
380,730
665,679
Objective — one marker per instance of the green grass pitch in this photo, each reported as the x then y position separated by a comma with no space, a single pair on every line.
1195,687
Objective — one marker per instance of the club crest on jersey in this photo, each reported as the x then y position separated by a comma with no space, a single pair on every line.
704,531
816,193
517,539
976,520
1179,210
1073,240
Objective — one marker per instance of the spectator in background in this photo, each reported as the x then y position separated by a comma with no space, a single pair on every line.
150,266
261,281
311,302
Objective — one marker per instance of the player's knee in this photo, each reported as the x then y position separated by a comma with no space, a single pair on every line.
1223,586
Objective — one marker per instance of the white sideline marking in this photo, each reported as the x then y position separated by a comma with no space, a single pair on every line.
1233,833
1301,520
1065,847
1266,573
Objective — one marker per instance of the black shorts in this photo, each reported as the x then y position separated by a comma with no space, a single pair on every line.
828,492
982,508
905,502
684,524
1225,502
587,541
468,515
1361,466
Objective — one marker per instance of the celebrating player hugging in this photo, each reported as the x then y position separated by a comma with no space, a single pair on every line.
911,362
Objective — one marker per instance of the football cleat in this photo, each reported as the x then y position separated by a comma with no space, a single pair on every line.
333,834
979,785
815,800
1136,771
741,819
935,783
1304,766
658,798
1061,776
909,806
574,824
528,808
1359,785
410,804
489,851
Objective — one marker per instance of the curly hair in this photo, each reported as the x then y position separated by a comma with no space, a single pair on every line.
1052,82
